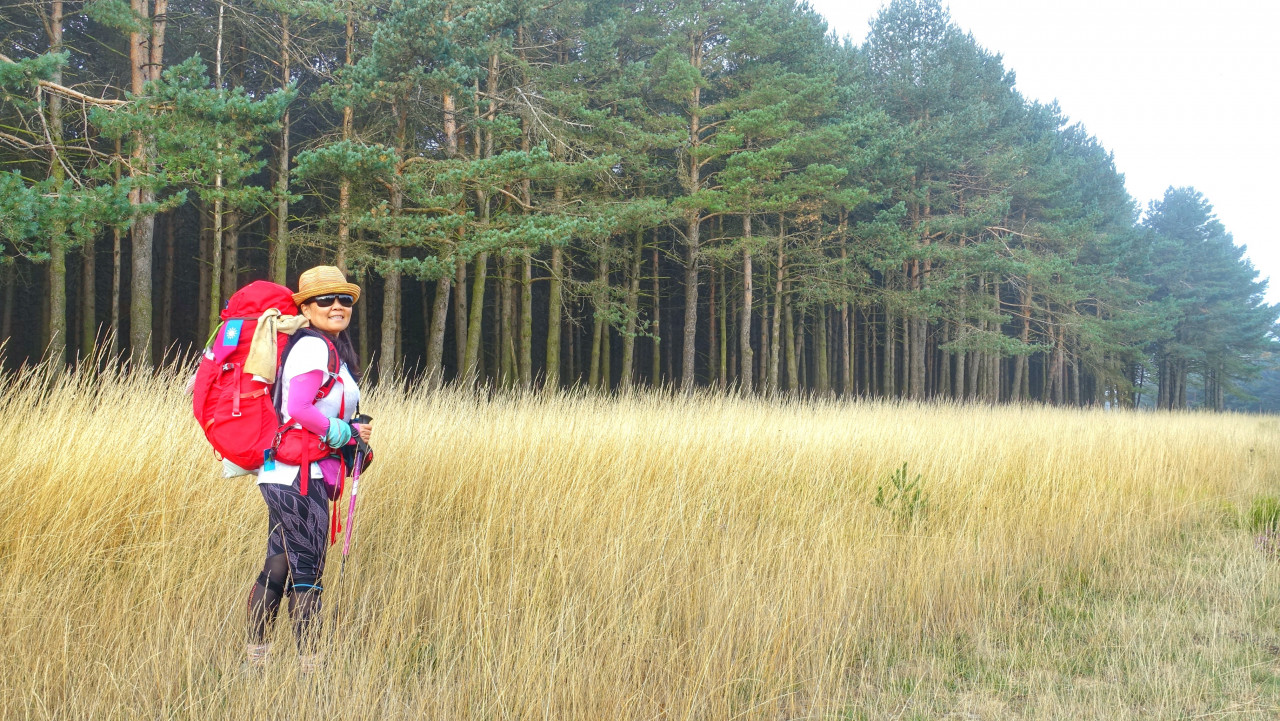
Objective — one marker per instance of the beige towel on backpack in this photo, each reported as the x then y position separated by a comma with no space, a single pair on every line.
262,349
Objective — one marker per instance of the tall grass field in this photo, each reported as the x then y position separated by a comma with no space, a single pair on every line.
651,557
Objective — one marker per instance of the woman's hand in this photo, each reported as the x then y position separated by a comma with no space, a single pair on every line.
364,430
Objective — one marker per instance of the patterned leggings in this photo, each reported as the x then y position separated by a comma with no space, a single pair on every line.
297,541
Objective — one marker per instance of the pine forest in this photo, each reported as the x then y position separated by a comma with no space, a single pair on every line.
688,194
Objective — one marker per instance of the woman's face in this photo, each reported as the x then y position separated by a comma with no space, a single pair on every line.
334,319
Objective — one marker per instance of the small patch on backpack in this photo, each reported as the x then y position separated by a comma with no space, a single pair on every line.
231,334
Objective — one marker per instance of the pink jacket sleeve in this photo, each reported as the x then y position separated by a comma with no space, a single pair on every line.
302,402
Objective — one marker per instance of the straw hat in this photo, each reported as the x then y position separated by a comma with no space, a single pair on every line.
321,280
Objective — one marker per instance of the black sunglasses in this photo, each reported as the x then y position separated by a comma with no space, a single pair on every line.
324,301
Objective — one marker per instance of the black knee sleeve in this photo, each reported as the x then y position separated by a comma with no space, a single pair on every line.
271,583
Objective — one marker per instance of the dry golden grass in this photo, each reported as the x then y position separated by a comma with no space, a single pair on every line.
650,558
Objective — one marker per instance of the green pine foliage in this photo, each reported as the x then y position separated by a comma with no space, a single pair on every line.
587,192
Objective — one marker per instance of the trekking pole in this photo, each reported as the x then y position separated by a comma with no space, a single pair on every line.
362,450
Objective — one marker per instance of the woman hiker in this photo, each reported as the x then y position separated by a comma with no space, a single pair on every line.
309,397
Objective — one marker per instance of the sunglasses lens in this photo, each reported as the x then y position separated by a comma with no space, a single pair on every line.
324,301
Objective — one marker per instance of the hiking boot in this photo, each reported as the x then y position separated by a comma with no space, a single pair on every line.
310,663
257,653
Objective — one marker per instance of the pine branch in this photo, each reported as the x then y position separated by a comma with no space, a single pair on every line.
64,90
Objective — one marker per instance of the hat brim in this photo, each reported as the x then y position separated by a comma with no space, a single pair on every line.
325,289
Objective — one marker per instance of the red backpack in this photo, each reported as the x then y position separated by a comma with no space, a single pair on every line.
235,410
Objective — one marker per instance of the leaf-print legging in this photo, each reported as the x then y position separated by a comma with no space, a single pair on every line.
297,540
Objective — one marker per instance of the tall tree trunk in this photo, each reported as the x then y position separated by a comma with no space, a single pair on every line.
424,299
762,359
722,356
943,390
1165,383
688,352
435,348
789,332
44,314
88,299
508,357
471,363
344,182
748,283
888,384
802,362
996,364
460,316
554,313
656,371
116,237
1182,385
204,264
597,326
1054,394
475,327
846,348
736,320
57,301
279,259
526,321
217,275
230,255
716,321
633,311
116,273
166,309
669,369
868,370
389,360
975,358
606,354
364,347
57,331
775,342
1073,374
575,342
693,225
915,329
820,351
1020,361
10,294
919,347
146,53
846,328
904,353
489,363
776,338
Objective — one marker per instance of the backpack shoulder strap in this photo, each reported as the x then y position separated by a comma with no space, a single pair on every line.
333,365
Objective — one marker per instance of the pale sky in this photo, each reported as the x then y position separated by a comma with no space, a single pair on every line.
1183,93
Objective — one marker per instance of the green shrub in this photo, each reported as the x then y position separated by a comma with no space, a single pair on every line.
903,497
1264,514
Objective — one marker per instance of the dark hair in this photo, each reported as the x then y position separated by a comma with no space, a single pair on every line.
347,354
